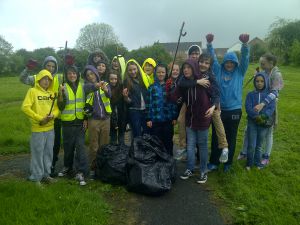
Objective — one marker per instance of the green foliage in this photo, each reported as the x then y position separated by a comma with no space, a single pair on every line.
5,47
281,37
112,50
295,52
257,50
156,51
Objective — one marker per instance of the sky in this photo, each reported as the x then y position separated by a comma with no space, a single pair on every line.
33,24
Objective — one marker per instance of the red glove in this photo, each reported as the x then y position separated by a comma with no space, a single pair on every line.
69,60
168,85
31,64
209,38
244,38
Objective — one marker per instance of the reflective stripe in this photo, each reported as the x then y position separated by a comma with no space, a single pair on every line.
74,103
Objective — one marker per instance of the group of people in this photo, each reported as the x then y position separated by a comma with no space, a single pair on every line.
109,95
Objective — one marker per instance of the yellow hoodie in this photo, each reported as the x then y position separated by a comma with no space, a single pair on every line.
143,74
152,63
37,104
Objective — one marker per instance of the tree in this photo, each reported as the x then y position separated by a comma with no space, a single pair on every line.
295,52
5,47
96,36
281,37
156,51
257,50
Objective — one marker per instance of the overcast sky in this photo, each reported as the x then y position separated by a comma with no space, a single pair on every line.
32,24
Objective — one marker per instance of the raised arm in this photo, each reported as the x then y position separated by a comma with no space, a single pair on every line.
215,66
245,53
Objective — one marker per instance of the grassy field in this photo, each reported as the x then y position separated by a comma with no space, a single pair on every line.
269,196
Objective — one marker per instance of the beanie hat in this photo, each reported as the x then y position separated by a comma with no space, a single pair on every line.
193,48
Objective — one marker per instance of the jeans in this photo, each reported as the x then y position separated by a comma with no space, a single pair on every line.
256,135
57,140
137,121
201,138
231,120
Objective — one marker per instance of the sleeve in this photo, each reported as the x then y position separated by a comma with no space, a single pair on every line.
55,110
26,78
276,84
270,108
61,103
215,91
244,63
216,67
27,106
249,104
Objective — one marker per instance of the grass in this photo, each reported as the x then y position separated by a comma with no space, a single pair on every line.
272,195
269,196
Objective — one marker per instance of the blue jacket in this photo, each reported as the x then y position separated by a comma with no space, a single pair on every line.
158,107
257,96
230,83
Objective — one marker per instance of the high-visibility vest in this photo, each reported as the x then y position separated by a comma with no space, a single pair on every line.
105,100
74,105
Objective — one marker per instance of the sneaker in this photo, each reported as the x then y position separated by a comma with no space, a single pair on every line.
80,178
92,175
224,156
248,168
226,168
186,175
49,180
202,179
180,153
211,167
242,156
65,171
265,161
260,166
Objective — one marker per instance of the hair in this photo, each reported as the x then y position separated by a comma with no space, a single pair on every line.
270,58
116,92
129,79
103,76
163,66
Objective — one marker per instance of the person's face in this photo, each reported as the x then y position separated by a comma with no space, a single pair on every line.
132,71
195,55
259,83
229,66
265,65
50,66
91,77
71,76
161,73
101,68
204,65
97,58
115,64
187,71
175,71
45,82
148,68
113,79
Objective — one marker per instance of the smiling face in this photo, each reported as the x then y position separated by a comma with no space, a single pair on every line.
45,82
113,79
229,66
161,73
175,71
132,70
101,68
71,76
115,64
91,77
148,68
204,65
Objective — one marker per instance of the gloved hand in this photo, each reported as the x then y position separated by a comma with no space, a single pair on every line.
244,38
259,120
69,60
168,85
31,64
209,38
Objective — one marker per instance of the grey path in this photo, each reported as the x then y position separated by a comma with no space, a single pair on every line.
187,203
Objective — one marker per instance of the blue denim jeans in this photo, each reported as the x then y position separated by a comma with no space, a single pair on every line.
199,137
137,121
256,136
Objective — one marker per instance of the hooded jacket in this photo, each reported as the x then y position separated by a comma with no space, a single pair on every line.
152,63
136,89
122,63
38,102
197,100
230,83
97,52
99,111
257,96
158,107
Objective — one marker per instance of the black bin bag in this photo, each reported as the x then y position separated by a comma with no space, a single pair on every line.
111,163
150,169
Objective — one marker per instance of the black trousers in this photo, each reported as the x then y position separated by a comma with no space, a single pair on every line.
164,131
231,120
57,140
